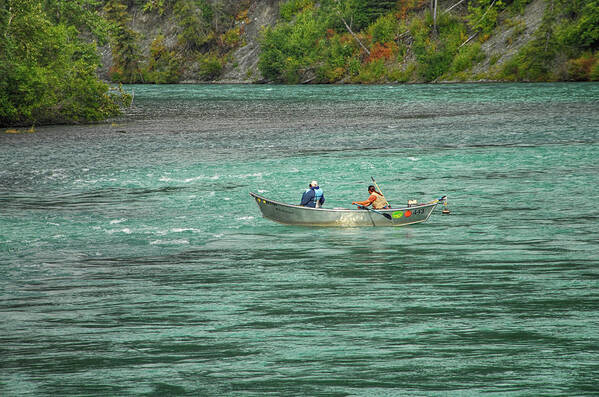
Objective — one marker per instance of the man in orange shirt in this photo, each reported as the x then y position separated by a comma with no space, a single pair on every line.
376,199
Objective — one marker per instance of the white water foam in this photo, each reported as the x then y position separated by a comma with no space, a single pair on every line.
169,242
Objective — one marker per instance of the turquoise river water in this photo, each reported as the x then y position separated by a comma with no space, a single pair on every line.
134,262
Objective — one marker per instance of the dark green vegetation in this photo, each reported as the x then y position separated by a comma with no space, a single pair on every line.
406,40
48,62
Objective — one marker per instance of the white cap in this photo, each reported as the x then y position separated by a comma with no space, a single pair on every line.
314,183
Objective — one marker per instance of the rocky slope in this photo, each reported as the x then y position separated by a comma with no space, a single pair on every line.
244,66
508,39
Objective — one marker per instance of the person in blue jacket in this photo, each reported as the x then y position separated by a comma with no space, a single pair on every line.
313,196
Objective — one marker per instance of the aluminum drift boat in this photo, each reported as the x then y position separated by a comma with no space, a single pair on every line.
304,216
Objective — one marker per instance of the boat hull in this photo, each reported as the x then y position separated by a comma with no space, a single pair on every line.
341,217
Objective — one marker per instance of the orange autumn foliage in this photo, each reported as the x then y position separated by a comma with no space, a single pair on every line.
405,6
381,51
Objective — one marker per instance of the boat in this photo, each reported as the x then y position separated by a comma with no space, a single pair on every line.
290,214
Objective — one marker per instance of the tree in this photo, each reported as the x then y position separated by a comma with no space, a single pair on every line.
377,8
47,74
126,55
343,8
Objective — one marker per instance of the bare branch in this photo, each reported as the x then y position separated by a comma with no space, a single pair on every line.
456,4
467,41
481,18
351,31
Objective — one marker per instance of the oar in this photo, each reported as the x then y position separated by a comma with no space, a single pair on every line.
379,189
375,211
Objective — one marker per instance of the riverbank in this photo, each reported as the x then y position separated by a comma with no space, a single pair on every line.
297,42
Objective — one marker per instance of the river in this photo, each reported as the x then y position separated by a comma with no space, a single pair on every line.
134,262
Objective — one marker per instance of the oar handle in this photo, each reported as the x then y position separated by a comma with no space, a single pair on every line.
375,211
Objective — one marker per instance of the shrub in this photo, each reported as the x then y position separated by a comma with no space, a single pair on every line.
580,68
372,72
195,24
354,66
594,75
47,74
482,15
402,75
232,37
288,9
164,65
384,29
532,63
584,32
466,57
287,49
126,54
210,66
382,51
272,56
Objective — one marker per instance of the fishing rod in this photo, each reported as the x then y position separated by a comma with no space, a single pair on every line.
379,190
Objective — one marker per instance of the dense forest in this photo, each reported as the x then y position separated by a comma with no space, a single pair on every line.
60,60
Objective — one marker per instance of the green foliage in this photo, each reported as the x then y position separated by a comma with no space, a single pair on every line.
206,32
570,30
353,11
291,7
384,29
164,66
435,54
126,54
483,14
156,6
287,48
583,33
333,57
47,74
354,66
210,66
532,63
232,37
467,57
378,8
594,75
372,72
581,69
311,42
272,56
196,30
399,75
82,14
517,6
